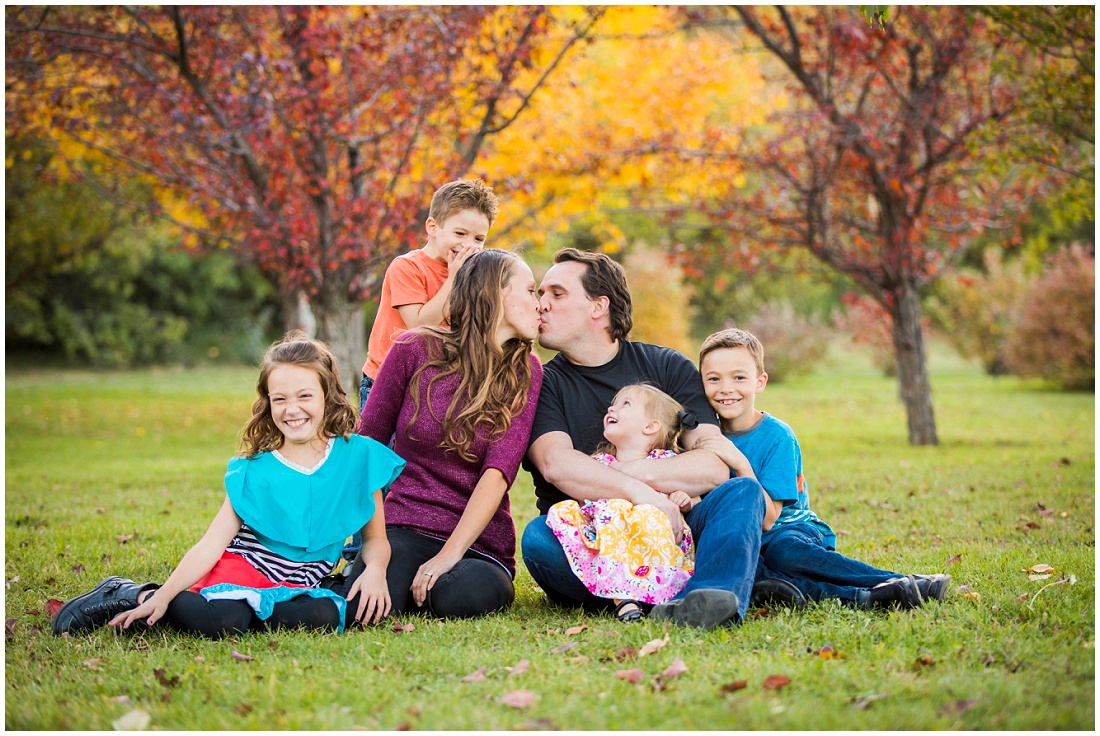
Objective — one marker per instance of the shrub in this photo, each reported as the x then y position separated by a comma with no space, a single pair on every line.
975,309
794,344
1055,335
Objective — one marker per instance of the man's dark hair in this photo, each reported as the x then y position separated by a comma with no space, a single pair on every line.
604,277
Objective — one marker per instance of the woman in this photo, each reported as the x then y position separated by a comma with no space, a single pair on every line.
459,402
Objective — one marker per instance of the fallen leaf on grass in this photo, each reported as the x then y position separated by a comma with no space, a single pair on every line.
93,664
865,703
77,568
1022,597
625,653
954,560
403,628
539,724
925,660
519,667
124,538
843,532
1046,512
16,579
576,629
404,727
830,653
776,682
33,612
632,676
653,646
958,707
579,659
135,720
972,595
965,588
53,606
273,644
9,628
121,699
675,669
240,657
477,675
243,709
1040,577
732,687
164,680
1041,567
518,699
563,648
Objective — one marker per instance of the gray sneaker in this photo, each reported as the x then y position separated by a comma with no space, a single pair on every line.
933,587
111,597
706,608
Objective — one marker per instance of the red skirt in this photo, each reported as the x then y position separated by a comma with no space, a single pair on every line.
236,570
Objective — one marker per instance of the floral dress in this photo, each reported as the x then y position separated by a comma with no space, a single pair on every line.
619,550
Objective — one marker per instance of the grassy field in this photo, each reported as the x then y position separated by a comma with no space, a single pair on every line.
119,473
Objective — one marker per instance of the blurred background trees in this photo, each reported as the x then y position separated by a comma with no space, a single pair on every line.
180,183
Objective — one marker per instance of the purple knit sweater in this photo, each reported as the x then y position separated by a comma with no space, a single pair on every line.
432,492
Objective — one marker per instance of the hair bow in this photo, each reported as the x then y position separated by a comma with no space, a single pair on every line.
688,420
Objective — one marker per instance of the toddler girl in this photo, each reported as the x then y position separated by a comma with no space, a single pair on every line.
300,485
620,551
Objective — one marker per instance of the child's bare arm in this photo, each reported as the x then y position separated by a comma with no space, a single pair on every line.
728,453
198,561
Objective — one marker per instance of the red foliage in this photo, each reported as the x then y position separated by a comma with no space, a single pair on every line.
1055,335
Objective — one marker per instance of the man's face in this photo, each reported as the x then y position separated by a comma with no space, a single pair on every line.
566,309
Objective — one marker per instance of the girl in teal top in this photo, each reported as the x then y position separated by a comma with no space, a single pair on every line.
300,486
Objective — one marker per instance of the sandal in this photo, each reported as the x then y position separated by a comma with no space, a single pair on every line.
631,614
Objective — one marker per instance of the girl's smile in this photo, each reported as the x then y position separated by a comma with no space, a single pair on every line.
297,403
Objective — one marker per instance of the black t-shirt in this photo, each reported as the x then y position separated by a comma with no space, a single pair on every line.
575,398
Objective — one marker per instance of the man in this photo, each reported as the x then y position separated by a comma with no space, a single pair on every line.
586,317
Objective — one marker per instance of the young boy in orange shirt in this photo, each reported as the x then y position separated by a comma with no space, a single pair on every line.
417,284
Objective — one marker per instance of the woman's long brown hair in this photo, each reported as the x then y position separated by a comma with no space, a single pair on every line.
493,379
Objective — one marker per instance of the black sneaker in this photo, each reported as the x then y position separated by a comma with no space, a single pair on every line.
901,592
98,606
706,608
773,591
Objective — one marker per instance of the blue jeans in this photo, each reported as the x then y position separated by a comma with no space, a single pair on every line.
725,525
364,391
352,547
797,553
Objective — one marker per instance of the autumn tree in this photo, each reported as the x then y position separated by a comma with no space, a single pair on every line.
871,168
308,139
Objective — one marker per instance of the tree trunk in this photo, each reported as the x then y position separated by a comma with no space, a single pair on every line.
916,391
340,326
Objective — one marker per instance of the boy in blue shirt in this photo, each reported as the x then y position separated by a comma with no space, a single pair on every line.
796,546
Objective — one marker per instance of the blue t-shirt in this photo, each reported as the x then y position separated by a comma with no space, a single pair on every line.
773,452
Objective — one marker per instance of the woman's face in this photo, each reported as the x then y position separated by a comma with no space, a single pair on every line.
519,306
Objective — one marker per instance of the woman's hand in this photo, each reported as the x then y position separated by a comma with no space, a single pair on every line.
374,595
429,573
152,610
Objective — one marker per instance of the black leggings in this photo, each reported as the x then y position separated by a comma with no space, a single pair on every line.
191,613
473,587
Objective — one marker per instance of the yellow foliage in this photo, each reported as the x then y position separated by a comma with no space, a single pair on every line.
660,299
622,121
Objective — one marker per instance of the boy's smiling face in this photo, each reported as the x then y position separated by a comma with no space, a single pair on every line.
731,383
464,228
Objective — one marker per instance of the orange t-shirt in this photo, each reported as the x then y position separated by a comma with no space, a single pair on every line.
412,278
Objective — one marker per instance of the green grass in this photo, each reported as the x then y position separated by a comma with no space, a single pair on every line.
94,456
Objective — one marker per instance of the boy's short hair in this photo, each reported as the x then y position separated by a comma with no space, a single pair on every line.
604,277
463,194
734,338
